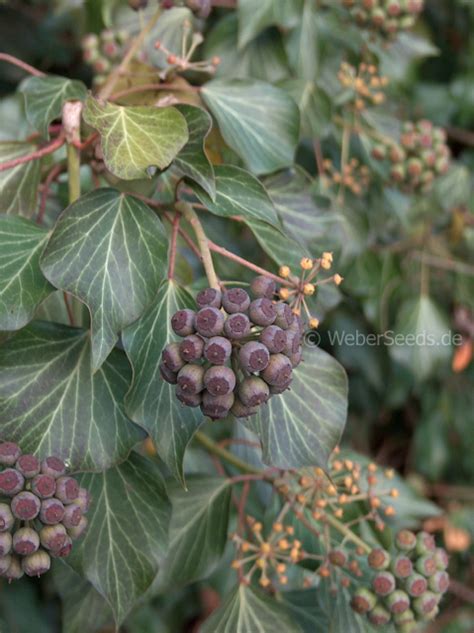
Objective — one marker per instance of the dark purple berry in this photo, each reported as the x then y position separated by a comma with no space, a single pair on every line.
53,466
239,410
277,389
209,322
171,357
28,466
217,350
439,583
253,391
383,583
25,506
426,565
416,585
405,540
337,557
274,338
190,379
254,356
297,324
11,482
44,486
6,517
67,489
217,407
425,603
188,399
278,371
182,322
402,567
5,543
284,315
210,297
77,532
219,381
83,500
52,511
9,453
425,543
398,601
72,516
167,374
379,616
36,564
63,551
295,359
237,326
262,312
379,559
14,571
53,537
262,286
293,343
25,541
235,300
363,601
191,348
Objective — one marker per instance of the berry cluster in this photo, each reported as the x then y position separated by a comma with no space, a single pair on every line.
41,512
365,85
103,52
236,352
421,155
385,17
354,176
407,585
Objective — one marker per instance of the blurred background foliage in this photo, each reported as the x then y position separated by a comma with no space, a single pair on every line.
407,259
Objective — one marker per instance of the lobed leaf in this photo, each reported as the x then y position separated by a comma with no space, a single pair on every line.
19,185
109,250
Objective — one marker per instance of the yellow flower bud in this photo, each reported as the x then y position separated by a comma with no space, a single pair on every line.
313,323
325,264
284,271
327,255
309,289
338,279
284,293
306,263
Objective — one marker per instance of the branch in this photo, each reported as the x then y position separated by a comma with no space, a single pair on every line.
229,457
44,151
10,59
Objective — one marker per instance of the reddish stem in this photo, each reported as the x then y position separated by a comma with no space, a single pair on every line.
50,178
89,140
10,59
44,151
174,237
184,235
240,260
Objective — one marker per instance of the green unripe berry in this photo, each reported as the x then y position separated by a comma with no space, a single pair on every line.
407,617
416,585
379,559
426,565
442,559
439,582
425,543
398,601
401,567
405,540
337,557
379,616
425,603
363,601
384,583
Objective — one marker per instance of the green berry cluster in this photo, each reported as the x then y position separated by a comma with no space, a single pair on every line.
41,512
407,585
236,351
385,17
104,51
421,155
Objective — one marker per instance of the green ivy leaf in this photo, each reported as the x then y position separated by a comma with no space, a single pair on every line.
192,160
19,185
127,534
136,139
22,285
83,608
253,18
151,401
302,44
238,193
257,120
302,426
45,96
248,609
110,251
198,530
278,244
51,404
315,107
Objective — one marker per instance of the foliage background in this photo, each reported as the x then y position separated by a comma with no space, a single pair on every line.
418,422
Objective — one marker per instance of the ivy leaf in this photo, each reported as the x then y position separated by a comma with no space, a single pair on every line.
249,609
198,530
45,96
110,251
257,120
192,160
253,18
278,244
19,185
315,107
302,43
51,404
238,193
302,426
151,401
83,608
136,139
127,533
22,285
